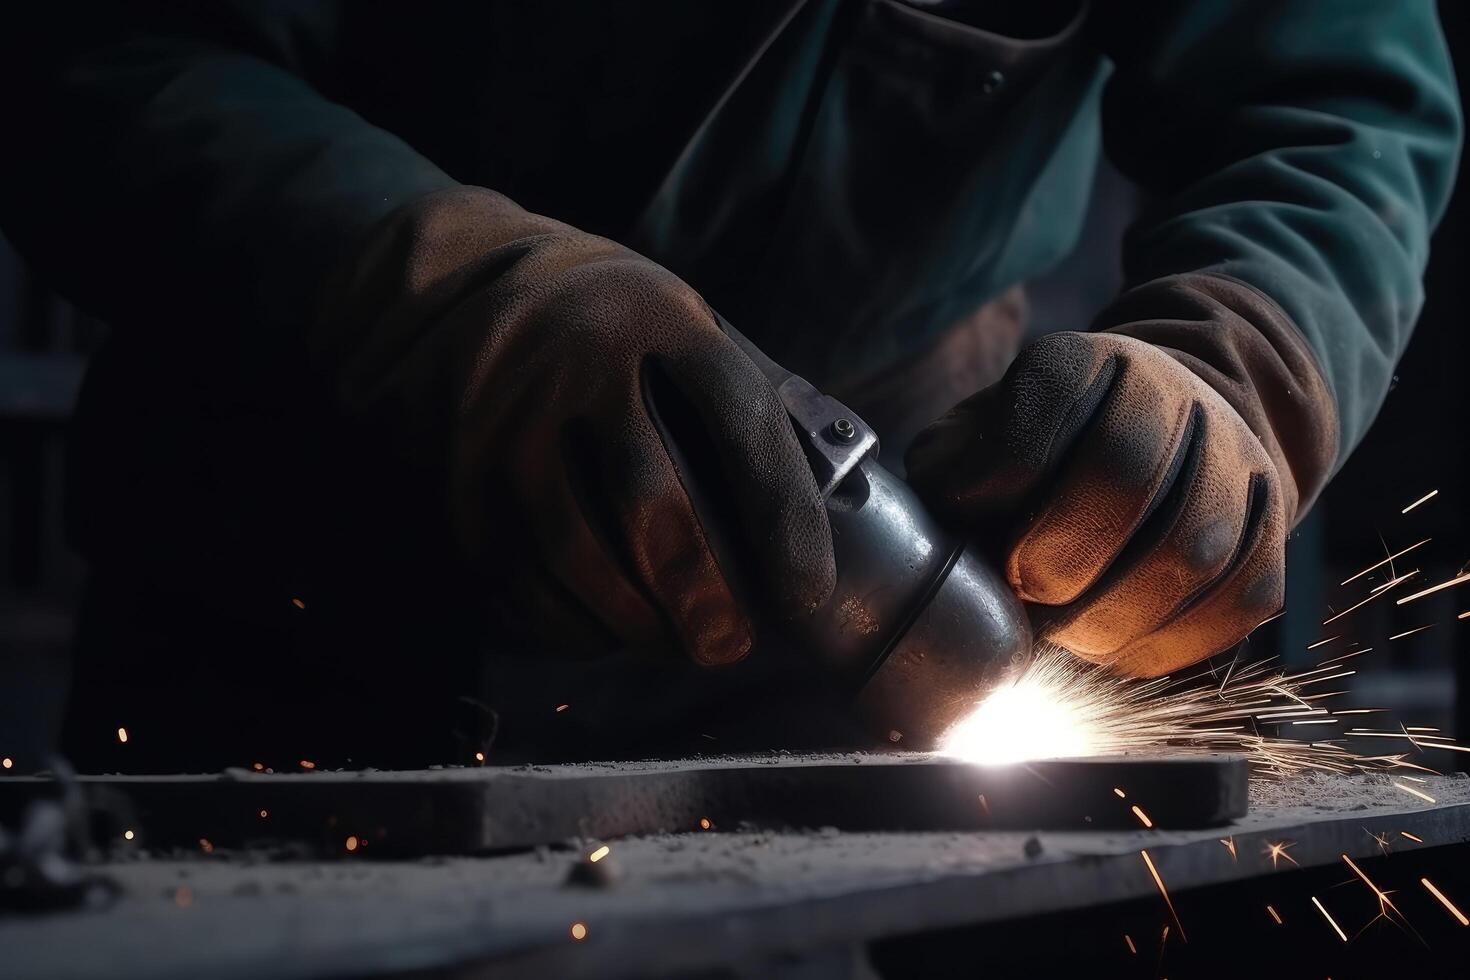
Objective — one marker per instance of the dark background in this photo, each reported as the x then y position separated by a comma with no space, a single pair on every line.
1418,444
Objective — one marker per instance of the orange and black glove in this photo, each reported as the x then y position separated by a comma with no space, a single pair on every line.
1144,475
518,361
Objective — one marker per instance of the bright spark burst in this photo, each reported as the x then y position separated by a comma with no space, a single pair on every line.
1229,843
1277,852
1058,706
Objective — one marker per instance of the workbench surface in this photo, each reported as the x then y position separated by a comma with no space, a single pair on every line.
681,901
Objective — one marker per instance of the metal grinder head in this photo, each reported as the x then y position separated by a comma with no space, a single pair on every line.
918,625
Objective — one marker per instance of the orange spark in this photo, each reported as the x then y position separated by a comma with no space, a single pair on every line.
1384,902
1330,921
122,734
307,764
1322,643
298,603
1464,615
1385,561
258,767
1274,914
352,843
1142,817
7,762
562,707
1416,840
1381,590
1443,900
599,854
206,846
1164,892
1117,791
127,835
1430,495
479,757
704,823
1434,588
1414,792
1278,851
579,931
1416,629
264,814
1229,843
1129,940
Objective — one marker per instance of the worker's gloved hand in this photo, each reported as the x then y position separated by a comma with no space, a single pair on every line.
1145,475
525,364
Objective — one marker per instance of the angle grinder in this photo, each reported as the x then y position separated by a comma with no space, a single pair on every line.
919,625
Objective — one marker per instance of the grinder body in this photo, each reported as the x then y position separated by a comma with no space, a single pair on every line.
918,626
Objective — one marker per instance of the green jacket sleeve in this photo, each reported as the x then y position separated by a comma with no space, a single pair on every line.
1306,147
175,165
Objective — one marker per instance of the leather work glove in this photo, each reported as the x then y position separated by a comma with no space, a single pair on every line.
1144,475
538,371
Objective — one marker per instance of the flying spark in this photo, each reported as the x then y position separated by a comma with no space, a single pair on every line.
1435,588
7,762
1428,496
1229,843
1164,892
122,734
1323,642
1330,921
1444,900
1142,817
1386,561
599,854
352,843
307,764
1374,594
1416,629
1416,840
1278,851
1117,790
127,835
1385,904
1129,940
1274,914
1058,706
579,931
1414,792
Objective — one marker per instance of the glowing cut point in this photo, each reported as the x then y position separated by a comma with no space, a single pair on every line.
1021,720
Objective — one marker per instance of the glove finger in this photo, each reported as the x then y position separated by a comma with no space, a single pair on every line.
1186,546
765,474
572,540
1252,590
666,545
1120,466
993,451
